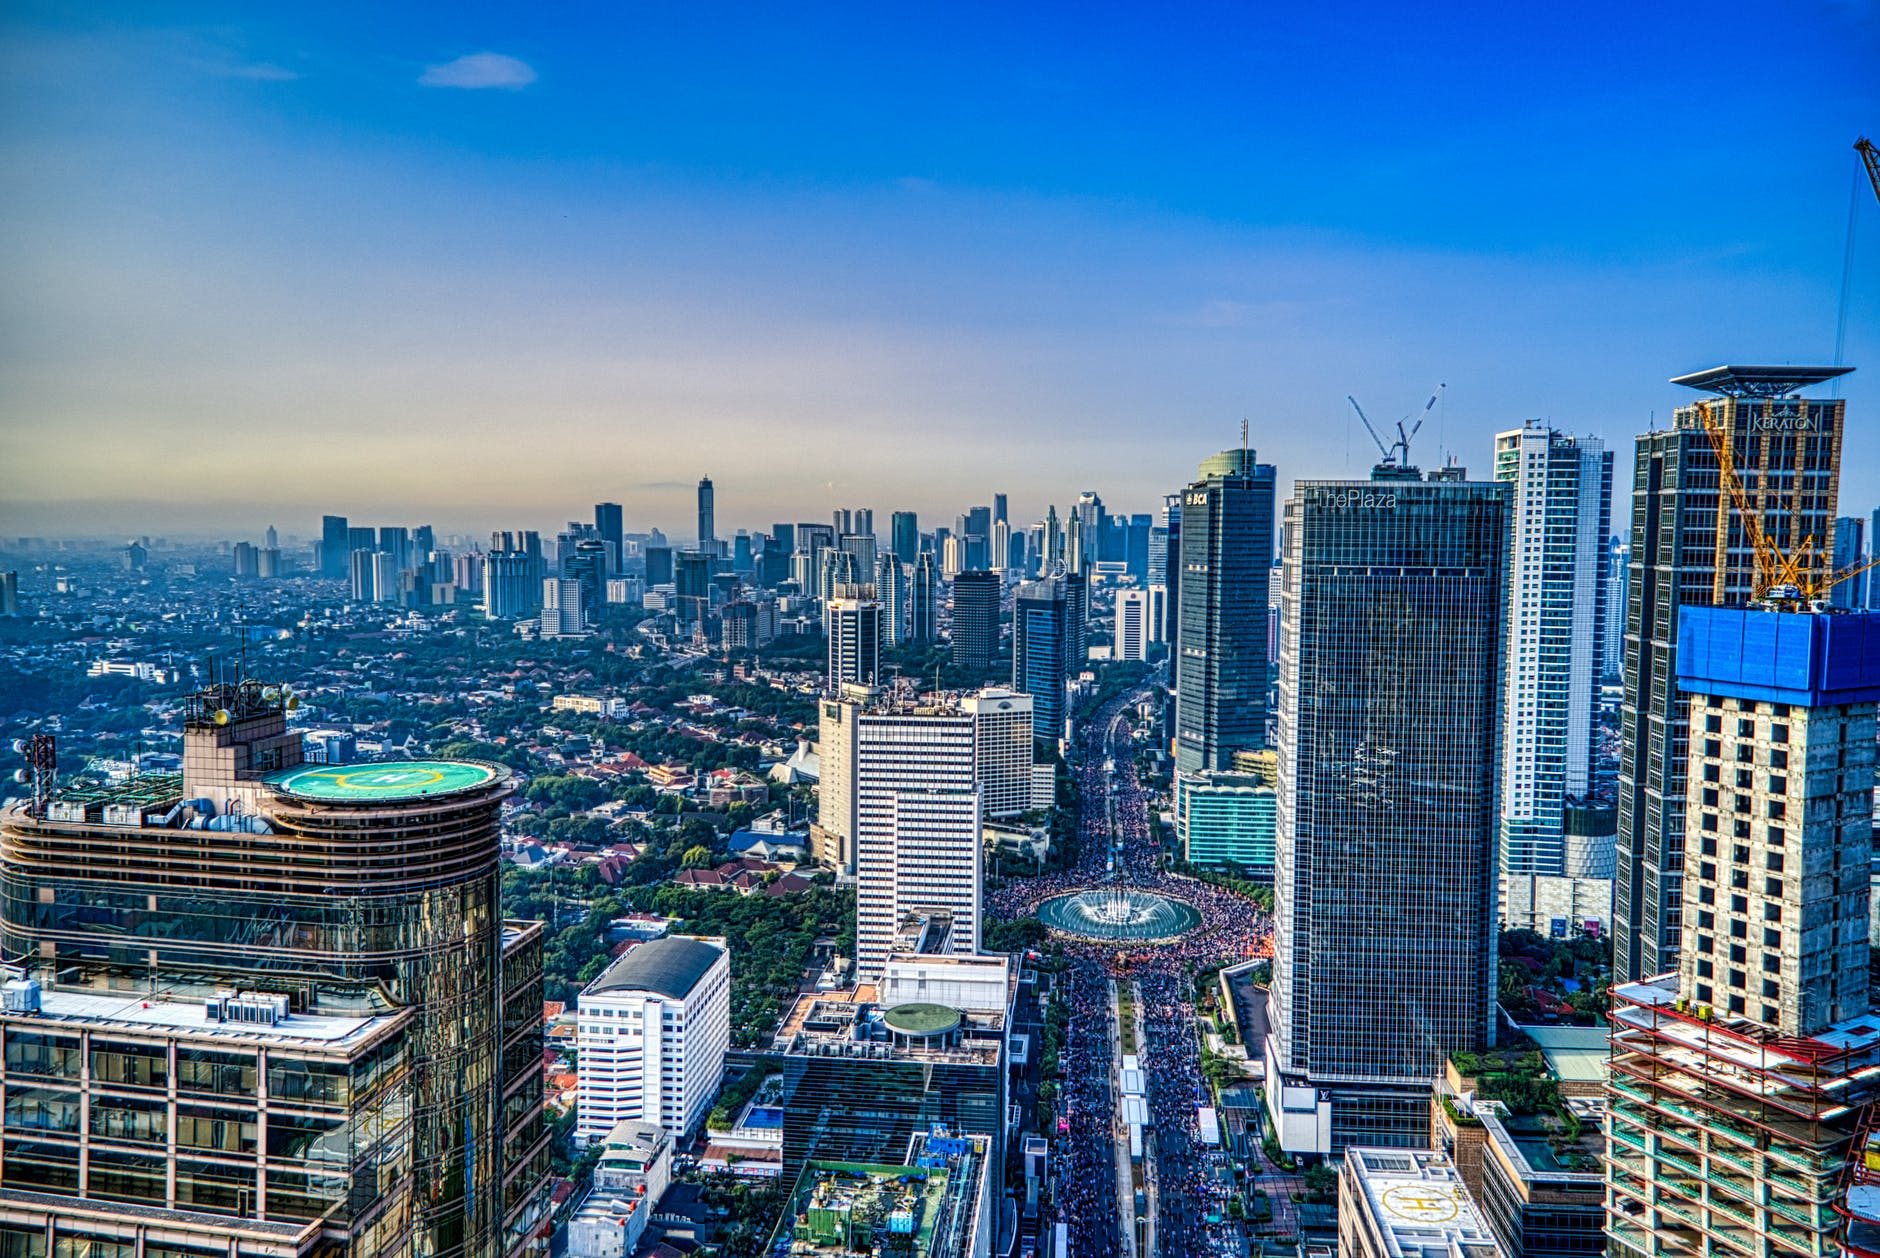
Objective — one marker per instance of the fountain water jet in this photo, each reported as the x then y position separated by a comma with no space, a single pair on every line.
1116,914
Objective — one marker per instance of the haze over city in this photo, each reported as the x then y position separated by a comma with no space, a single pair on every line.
481,265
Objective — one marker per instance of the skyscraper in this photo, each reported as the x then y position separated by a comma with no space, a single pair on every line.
331,1050
852,619
335,547
1394,608
1741,1082
1850,551
923,600
1132,624
1689,548
564,608
1041,643
1172,573
904,527
658,565
891,590
607,523
1618,562
975,618
1000,512
707,516
1227,565
1561,493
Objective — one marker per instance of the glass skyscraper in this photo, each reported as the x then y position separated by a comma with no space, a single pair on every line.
1391,665
1220,651
1689,548
975,618
1041,645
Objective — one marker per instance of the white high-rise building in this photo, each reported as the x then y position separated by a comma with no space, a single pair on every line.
652,1037
852,619
1002,757
1132,624
1557,588
563,613
891,592
1158,613
1618,560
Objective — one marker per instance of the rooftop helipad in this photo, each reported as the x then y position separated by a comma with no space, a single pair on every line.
387,782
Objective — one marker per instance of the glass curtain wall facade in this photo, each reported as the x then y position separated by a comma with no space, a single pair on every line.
1689,548
1394,610
1041,633
1220,657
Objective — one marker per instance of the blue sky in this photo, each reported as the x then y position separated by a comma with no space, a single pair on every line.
486,265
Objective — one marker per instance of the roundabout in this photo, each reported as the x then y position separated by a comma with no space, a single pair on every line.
1117,914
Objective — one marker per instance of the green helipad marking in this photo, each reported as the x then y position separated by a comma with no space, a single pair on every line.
921,1018
381,783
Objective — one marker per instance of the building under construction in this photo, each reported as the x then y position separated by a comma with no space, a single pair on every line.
1742,1084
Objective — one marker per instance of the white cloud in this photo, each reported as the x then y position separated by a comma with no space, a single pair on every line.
480,69
265,71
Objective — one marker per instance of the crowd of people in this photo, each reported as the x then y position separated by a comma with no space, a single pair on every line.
1114,846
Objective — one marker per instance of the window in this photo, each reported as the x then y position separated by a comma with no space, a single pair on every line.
1778,758
1772,887
1772,963
1774,861
1778,733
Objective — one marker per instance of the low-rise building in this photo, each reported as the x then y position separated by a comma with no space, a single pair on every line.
1408,1203
1226,818
654,1027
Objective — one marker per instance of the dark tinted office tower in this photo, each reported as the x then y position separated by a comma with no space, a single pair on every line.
864,521
1393,614
707,516
975,618
842,520
785,536
588,566
361,539
1076,622
692,582
1000,514
904,536
1850,551
1226,559
775,567
852,620
324,1041
979,521
1689,548
396,542
335,546
658,565
1172,574
1041,652
923,599
607,523
512,584
1136,547
423,542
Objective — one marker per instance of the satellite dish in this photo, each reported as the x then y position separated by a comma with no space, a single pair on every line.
293,701
271,693
22,776
221,716
19,746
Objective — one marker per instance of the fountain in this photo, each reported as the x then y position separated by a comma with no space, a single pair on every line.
1116,914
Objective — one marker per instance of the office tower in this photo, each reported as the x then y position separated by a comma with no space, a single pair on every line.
785,536
395,541
923,600
1226,557
1075,560
864,521
1561,490
652,1037
385,574
692,585
979,522
9,593
1002,749
1172,573
658,565
1091,518
1041,645
1132,624
1850,551
1000,511
1053,538
334,1050
914,823
588,565
268,562
891,590
1618,561
607,523
904,535
1135,534
1225,818
335,548
975,618
1689,549
1740,1084
952,556
467,570
247,561
1394,610
364,573
564,607
512,581
707,517
774,569
864,549
423,542
737,626
741,558
852,619
136,556
362,539
1001,550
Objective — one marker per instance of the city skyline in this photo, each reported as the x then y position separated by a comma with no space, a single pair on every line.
316,251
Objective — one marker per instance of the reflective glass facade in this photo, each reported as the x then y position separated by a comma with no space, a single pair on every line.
1389,720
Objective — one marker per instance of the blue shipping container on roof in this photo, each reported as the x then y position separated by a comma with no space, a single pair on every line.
1807,659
